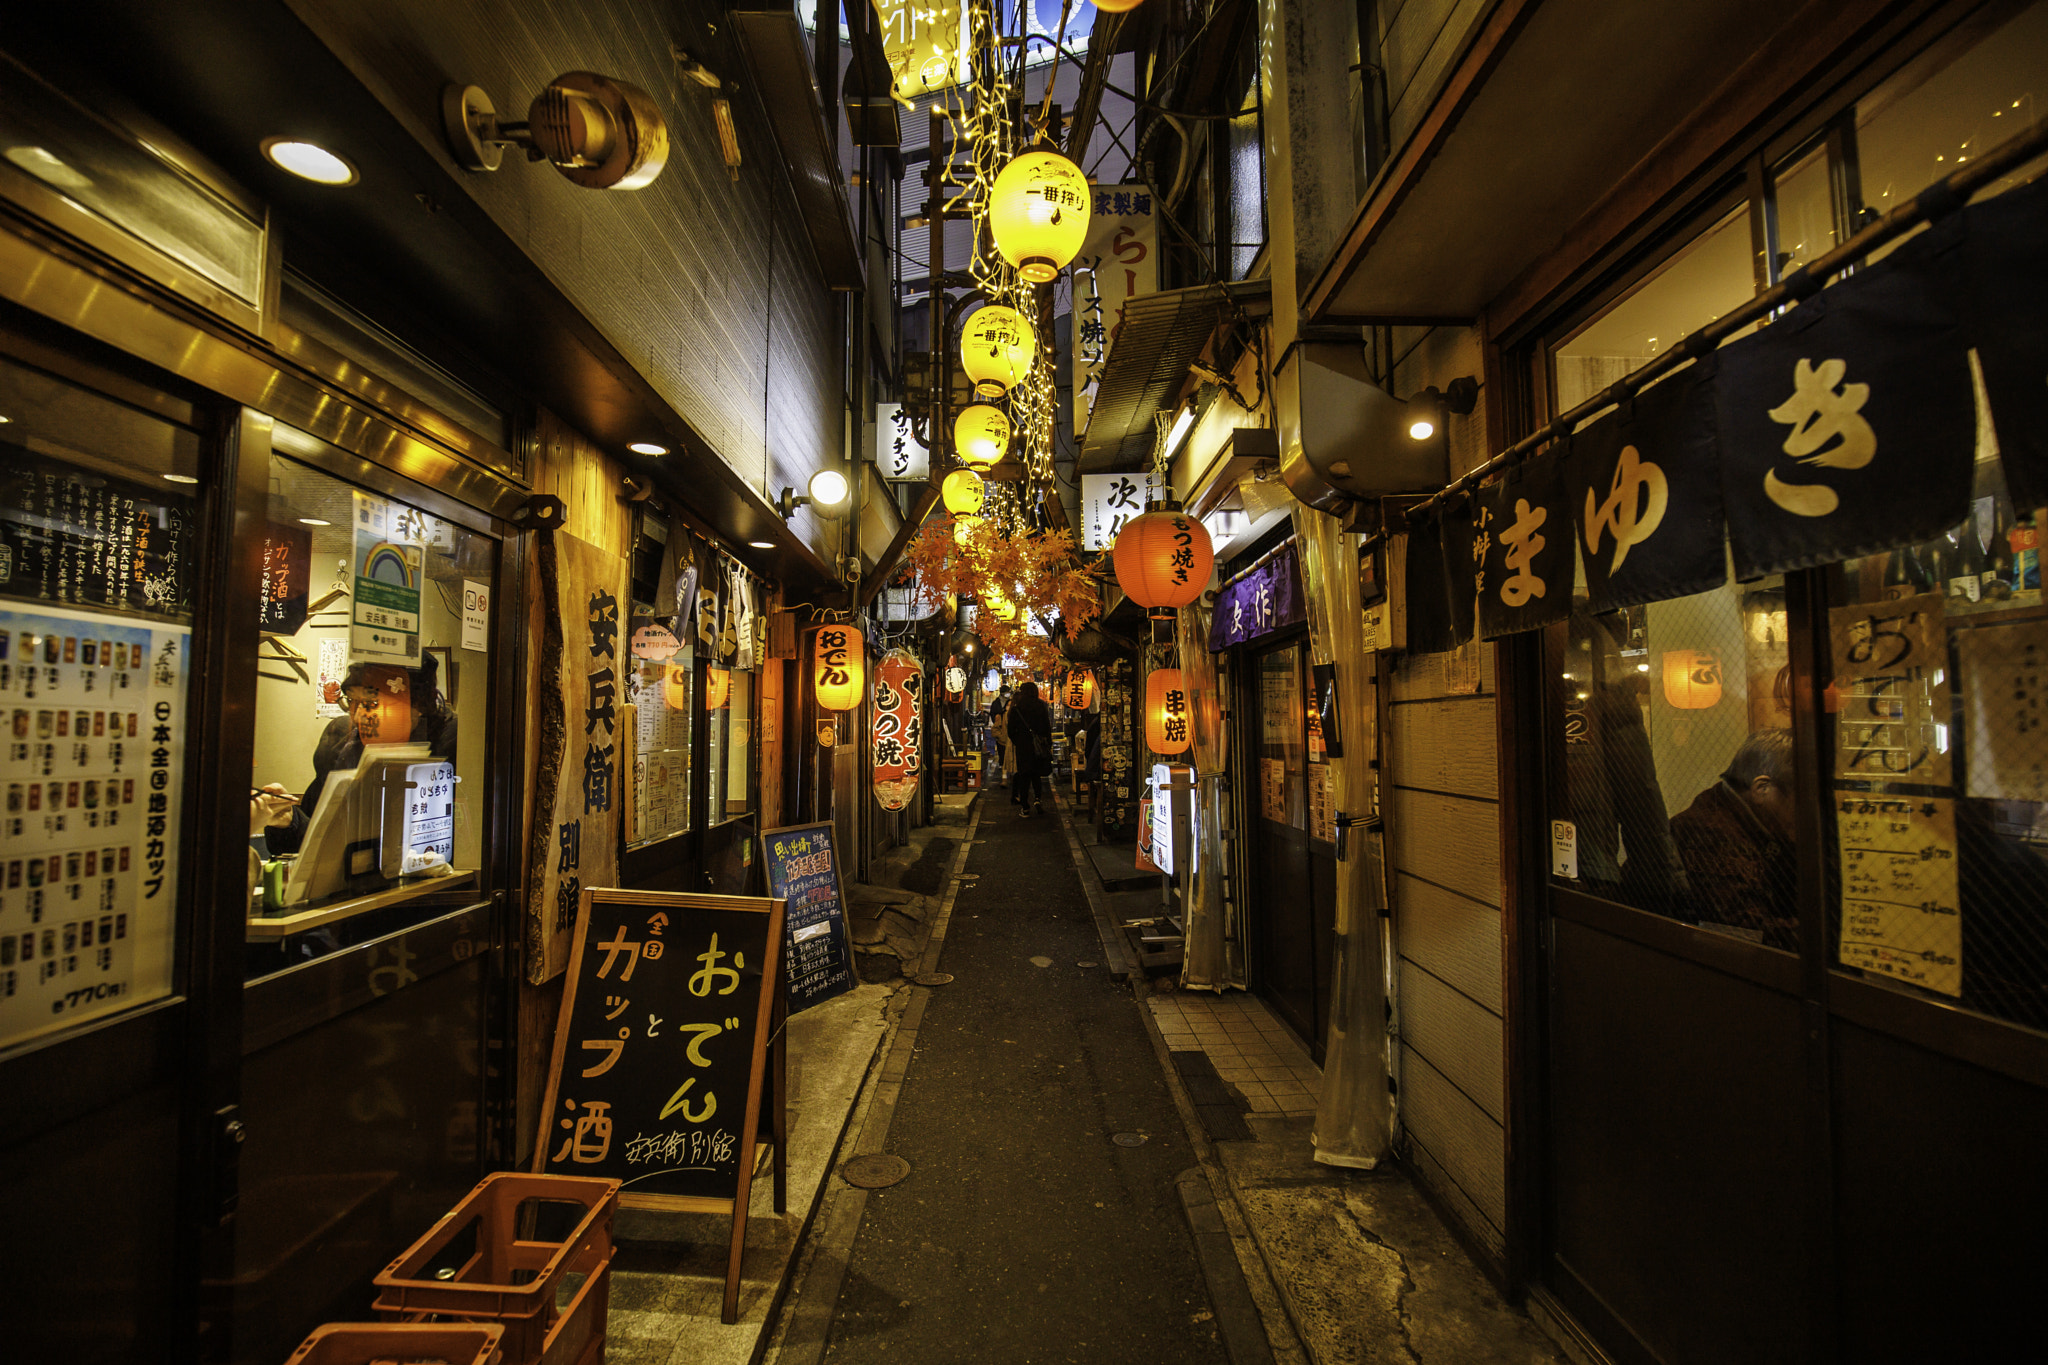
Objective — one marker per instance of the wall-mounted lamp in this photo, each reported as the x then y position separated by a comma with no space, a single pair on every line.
826,491
1459,396
600,133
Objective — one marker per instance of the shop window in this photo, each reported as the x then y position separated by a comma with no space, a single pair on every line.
1283,746
98,561
372,707
663,691
729,747
1803,213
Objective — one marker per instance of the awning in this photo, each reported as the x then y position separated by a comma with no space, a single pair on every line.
1161,335
1552,108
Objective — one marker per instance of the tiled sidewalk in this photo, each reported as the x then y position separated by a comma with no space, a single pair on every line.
1249,1048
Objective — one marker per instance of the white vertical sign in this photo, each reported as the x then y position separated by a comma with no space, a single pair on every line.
1118,258
476,615
1110,500
901,455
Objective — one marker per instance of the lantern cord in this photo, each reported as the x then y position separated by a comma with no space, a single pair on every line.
1052,76
1938,200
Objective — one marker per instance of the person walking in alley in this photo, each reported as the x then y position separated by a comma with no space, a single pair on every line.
1030,729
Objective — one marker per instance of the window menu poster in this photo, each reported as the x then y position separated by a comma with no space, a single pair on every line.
75,537
94,708
389,562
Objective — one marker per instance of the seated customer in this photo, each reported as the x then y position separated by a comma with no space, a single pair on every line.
1735,840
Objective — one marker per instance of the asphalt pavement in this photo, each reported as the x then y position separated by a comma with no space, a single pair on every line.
1040,1220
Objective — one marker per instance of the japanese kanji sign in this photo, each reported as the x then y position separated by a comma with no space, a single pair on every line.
803,871
1645,488
901,457
70,536
1266,599
1520,562
390,553
924,44
595,657
1118,258
896,729
287,577
1848,425
661,1044
1901,913
1891,691
1110,500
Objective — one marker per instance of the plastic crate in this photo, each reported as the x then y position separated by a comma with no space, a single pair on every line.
393,1343
475,1265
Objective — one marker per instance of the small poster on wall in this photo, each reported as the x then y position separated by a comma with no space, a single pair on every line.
388,564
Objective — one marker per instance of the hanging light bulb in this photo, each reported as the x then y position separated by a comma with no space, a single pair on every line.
1039,211
981,435
963,492
996,350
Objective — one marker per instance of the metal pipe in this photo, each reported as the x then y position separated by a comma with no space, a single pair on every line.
1937,200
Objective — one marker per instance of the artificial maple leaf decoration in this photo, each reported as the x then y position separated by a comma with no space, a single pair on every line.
1036,572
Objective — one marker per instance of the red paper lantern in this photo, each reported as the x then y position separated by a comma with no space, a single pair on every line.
1692,679
838,667
1080,692
1163,560
1167,712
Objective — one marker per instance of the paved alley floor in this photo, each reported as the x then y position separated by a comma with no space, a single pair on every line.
1040,1220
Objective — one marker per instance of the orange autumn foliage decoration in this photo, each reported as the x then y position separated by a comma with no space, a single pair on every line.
1036,572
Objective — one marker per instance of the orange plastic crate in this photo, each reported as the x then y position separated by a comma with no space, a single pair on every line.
474,1264
392,1343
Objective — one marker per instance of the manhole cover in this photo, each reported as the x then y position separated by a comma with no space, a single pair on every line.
877,1171
933,978
1128,1139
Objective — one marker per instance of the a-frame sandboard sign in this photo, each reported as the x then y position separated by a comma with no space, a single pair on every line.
671,1022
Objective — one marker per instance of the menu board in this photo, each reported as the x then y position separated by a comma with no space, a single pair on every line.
420,828
72,536
1900,910
1891,685
803,870
94,707
287,579
657,1069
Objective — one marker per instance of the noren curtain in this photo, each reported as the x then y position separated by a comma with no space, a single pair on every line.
1353,1116
1213,950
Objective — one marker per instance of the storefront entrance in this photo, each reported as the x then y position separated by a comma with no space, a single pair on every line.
1291,861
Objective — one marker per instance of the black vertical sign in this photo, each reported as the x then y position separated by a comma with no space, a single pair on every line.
803,870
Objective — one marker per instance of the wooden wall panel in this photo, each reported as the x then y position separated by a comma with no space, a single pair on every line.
1453,937
1445,746
1459,1038
1459,1135
1450,841
1425,40
1420,677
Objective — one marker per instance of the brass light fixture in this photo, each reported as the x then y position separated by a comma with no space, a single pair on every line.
600,133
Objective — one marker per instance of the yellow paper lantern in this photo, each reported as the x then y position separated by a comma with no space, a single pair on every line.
963,528
963,493
838,667
1080,694
1692,679
1039,210
1117,6
996,349
981,435
675,686
717,688
1167,712
1163,561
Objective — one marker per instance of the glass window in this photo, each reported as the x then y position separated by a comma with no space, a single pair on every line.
662,692
1802,213
372,703
730,702
98,553
1283,747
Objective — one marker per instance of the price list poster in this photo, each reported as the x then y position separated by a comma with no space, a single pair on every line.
95,716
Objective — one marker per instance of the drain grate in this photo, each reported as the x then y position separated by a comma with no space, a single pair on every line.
876,1171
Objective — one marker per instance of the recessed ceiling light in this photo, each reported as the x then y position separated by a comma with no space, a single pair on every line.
181,478
647,448
314,521
762,544
309,161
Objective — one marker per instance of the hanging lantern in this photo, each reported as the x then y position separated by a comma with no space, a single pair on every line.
838,667
1163,560
981,435
1166,712
1692,679
717,688
1080,694
963,528
996,349
956,682
675,686
1039,210
1117,6
963,492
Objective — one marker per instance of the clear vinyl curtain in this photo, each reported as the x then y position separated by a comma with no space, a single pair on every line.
1213,950
1353,1117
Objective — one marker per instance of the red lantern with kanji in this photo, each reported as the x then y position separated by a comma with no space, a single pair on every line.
1080,692
838,667
1167,712
1692,679
1163,560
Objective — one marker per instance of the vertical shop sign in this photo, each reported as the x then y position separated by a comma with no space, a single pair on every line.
584,849
388,561
1891,691
281,607
1119,718
902,457
803,872
1119,258
1110,500
896,738
95,712
476,615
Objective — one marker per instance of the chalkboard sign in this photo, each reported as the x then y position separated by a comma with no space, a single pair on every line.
661,1049
803,870
78,538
